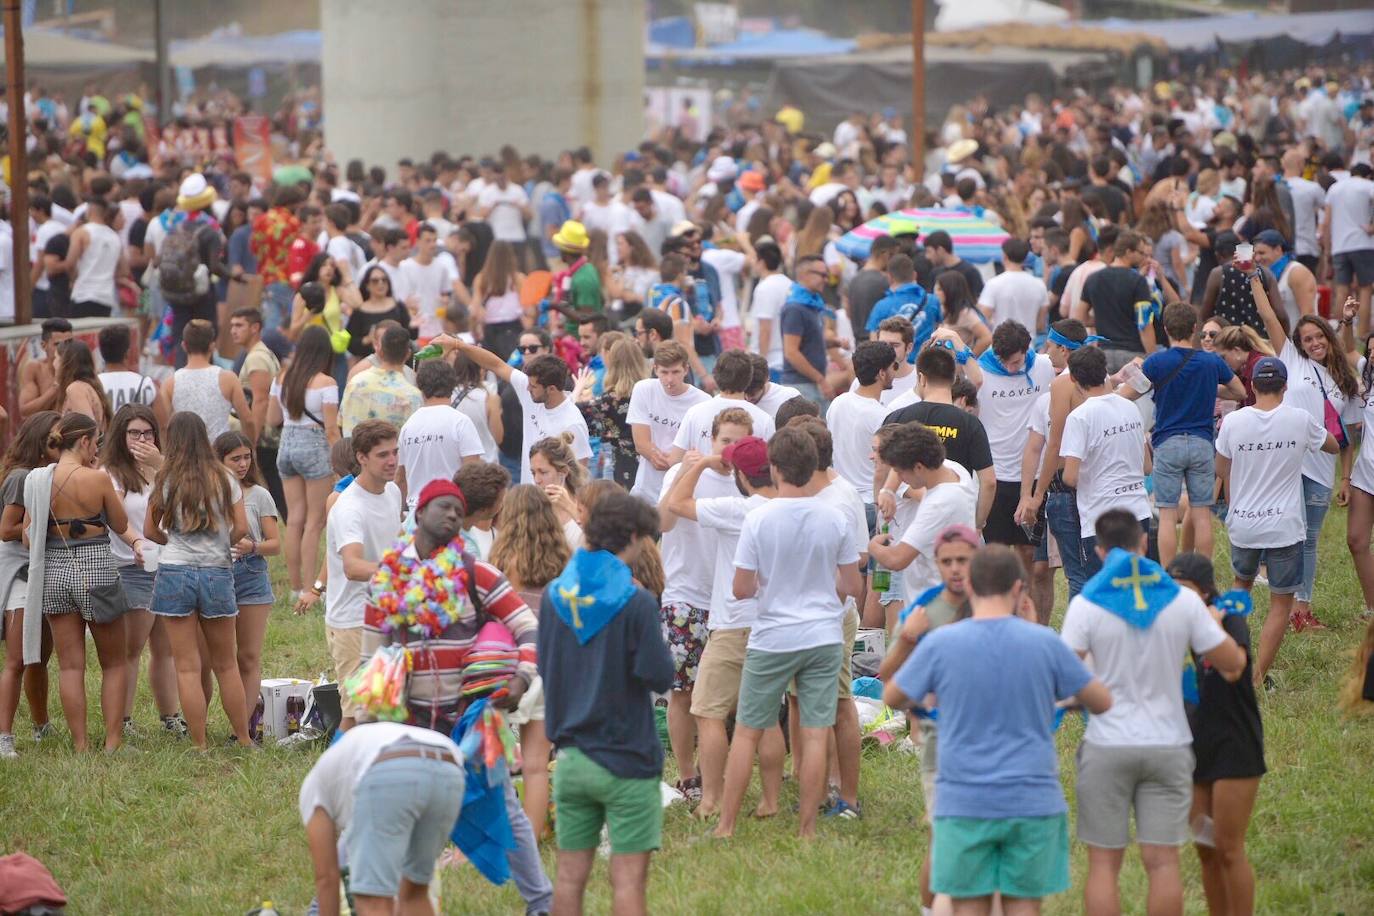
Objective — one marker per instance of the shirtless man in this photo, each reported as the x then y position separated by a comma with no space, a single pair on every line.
37,380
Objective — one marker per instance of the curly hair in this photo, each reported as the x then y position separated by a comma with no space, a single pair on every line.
557,451
530,547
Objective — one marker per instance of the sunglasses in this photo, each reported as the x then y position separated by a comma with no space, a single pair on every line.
1208,335
530,348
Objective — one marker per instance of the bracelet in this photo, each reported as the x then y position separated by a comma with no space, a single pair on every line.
964,356
889,491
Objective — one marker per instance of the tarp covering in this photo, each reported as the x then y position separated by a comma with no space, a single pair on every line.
299,47
831,89
779,44
970,14
1200,34
49,48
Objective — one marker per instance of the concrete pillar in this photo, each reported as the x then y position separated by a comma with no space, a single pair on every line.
467,76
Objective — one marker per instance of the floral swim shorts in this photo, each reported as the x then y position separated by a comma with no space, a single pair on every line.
685,630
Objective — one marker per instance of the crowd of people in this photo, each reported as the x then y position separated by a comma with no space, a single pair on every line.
647,421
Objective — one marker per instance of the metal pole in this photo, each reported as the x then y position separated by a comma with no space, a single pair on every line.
918,86
164,70
19,165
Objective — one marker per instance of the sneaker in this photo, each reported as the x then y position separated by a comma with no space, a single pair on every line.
842,809
1311,621
690,789
1298,621
7,751
46,730
1270,685
176,725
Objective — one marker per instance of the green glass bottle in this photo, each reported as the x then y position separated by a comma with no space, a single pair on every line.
882,576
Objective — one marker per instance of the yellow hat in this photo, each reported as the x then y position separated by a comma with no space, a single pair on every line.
195,193
960,150
571,236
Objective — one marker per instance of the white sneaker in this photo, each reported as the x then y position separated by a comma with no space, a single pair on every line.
46,730
7,751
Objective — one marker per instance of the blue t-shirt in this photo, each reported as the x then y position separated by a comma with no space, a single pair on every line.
1188,402
996,682
806,323
553,211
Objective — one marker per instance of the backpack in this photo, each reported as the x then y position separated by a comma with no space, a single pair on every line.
182,274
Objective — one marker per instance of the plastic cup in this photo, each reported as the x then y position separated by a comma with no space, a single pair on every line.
1245,258
150,554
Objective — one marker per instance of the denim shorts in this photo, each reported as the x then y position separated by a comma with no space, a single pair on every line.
183,590
304,452
252,585
403,812
1284,566
1185,458
1354,265
138,585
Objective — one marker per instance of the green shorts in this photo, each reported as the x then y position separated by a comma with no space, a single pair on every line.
1019,856
765,678
588,795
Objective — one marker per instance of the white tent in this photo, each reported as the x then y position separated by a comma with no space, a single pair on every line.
971,14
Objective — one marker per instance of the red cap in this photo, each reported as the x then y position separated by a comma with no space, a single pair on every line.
749,455
751,182
441,487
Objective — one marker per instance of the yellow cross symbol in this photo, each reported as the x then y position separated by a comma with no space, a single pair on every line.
1134,581
571,596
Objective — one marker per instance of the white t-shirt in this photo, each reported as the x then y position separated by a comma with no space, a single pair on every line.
342,248
724,516
1142,668
905,399
798,606
943,505
728,264
840,494
1004,405
769,296
432,283
542,423
1308,201
900,386
774,396
358,517
1014,295
612,218
853,419
1352,209
1107,434
695,430
433,444
1267,449
689,551
651,406
331,782
1306,382
123,387
506,221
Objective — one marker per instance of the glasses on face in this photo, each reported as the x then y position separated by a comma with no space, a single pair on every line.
144,435
530,348
1210,335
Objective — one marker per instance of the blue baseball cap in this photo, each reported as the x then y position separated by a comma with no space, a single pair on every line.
1270,368
1272,238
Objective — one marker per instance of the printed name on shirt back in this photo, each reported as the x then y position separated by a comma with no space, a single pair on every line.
1266,446
1134,426
1255,514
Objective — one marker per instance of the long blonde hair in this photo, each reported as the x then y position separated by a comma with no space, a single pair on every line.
625,365
557,451
814,234
530,547
1242,337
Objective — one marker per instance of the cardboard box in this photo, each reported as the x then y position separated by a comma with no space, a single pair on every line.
275,692
874,640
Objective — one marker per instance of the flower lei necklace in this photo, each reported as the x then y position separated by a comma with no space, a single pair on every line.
420,596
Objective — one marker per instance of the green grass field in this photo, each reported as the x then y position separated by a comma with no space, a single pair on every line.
161,829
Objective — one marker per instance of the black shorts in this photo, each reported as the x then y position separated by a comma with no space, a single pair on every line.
1001,527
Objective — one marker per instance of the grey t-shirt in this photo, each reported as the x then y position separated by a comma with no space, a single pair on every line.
258,502
200,548
12,494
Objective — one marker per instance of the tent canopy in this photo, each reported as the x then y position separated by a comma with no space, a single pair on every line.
971,14
50,48
1200,34
298,47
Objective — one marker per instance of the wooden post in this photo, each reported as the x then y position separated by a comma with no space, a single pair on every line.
163,64
917,133
19,160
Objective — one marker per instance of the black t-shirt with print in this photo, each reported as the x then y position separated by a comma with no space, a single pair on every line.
965,439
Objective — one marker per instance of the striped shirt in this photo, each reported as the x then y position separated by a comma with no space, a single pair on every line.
436,679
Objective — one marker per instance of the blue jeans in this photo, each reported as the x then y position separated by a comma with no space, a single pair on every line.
526,868
1316,500
276,305
512,465
1061,518
1184,459
180,591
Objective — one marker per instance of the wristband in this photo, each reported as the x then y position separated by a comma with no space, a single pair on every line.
889,491
963,356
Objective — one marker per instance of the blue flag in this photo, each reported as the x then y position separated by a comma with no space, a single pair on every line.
591,591
1132,587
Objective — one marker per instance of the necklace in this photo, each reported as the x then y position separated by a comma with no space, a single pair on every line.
423,597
